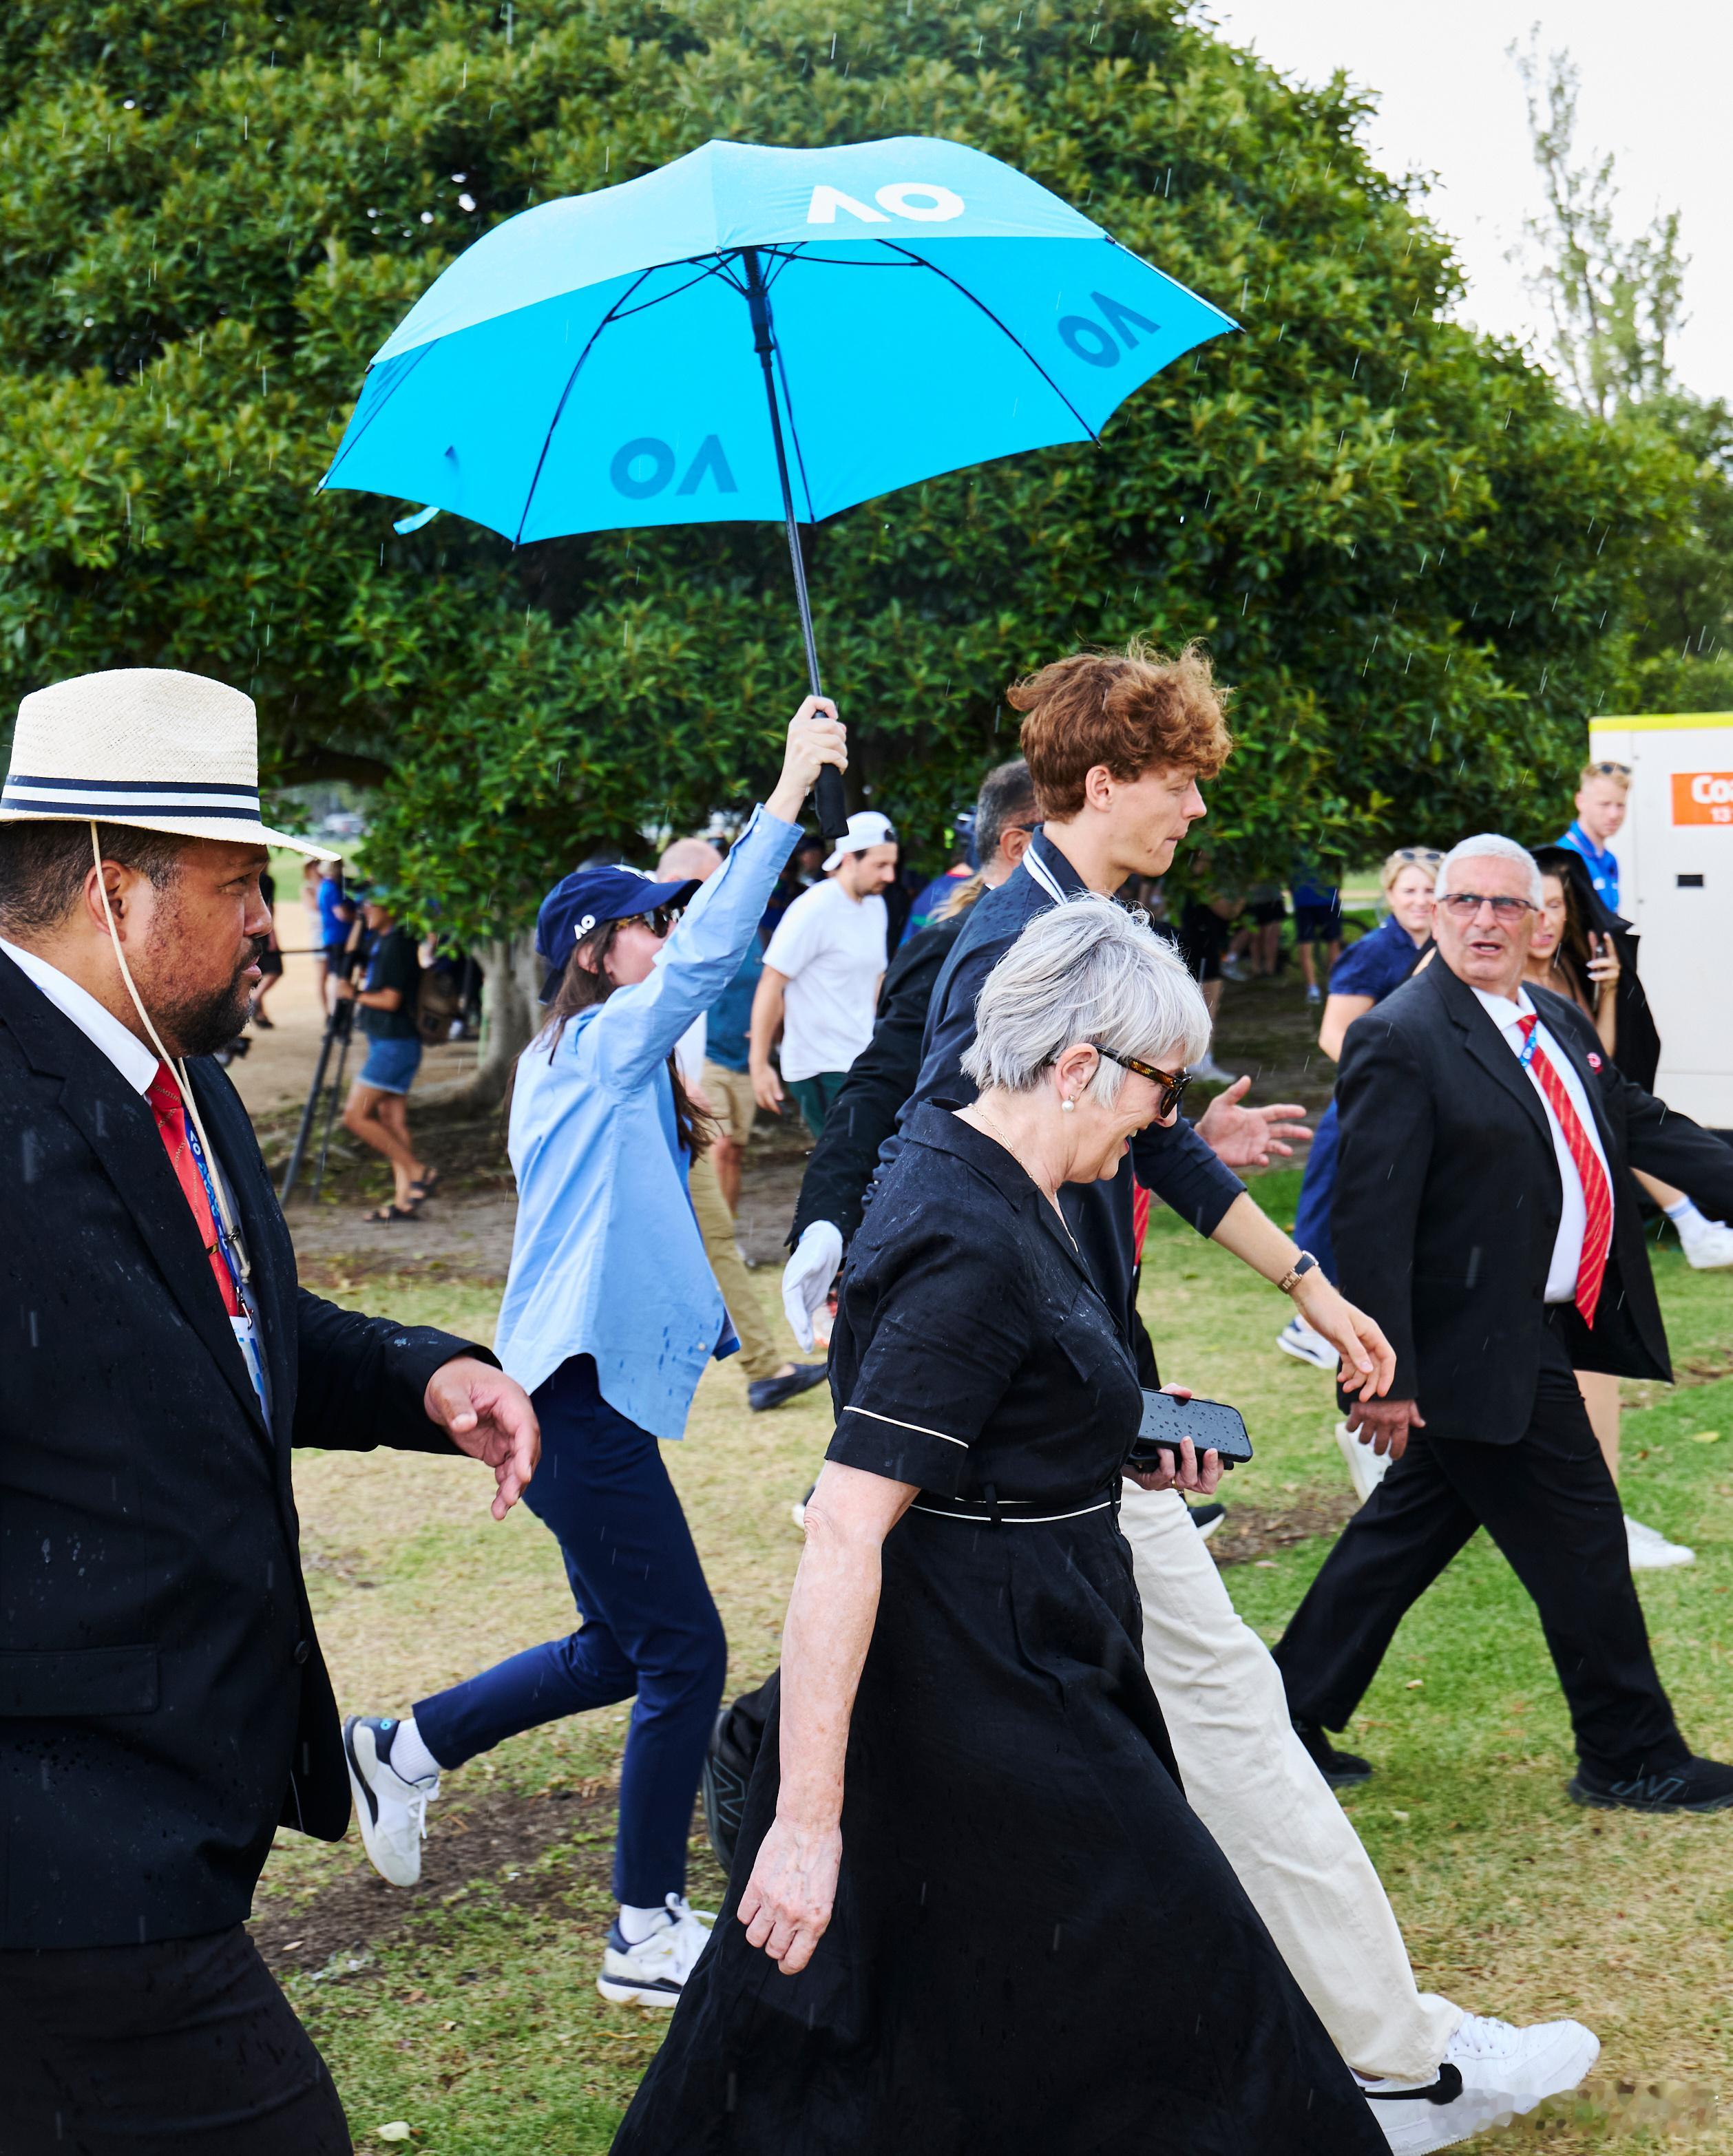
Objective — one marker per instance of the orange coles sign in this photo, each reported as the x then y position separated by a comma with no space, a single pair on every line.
1703,797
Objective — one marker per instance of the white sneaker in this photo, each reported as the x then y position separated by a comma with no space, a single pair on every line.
1491,2074
1366,1469
393,1812
1314,994
654,1972
1709,1247
1210,1071
1299,1339
1650,1550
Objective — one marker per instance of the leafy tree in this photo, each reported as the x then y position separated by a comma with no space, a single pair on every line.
1416,561
1616,303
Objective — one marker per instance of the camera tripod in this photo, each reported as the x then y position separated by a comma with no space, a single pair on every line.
339,1032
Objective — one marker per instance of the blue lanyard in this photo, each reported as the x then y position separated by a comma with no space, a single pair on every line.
1531,1041
210,1193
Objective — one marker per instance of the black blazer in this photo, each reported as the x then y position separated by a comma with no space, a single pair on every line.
164,1704
879,1081
1448,1199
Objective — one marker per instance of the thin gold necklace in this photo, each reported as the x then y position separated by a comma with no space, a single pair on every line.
995,1129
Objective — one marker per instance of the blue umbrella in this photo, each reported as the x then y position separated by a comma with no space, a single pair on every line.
754,333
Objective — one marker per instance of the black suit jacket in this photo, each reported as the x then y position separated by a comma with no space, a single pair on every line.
164,1704
879,1081
1448,1199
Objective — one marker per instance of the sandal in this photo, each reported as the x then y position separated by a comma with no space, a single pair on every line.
394,1212
424,1186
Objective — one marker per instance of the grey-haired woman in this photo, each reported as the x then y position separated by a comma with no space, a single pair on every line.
970,1908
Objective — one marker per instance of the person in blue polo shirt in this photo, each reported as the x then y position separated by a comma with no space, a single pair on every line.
610,1314
1603,799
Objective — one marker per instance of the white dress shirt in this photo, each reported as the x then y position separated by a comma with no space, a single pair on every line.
1573,1214
138,1065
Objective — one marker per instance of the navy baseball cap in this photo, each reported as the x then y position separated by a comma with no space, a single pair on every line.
586,898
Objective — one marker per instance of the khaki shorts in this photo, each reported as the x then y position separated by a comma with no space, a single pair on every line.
730,1097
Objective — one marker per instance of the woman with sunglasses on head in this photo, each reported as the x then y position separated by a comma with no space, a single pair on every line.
970,1908
1363,976
610,1314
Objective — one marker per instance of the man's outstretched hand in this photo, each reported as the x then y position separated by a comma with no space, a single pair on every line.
488,1415
1246,1137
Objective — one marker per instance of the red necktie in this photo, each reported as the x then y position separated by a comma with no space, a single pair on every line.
170,1111
1597,1194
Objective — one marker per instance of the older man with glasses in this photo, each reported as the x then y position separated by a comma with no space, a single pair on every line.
1486,1215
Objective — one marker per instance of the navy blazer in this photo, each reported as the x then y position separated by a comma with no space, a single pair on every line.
164,1704
1170,1159
1448,1200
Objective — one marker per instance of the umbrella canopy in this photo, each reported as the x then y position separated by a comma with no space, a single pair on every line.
912,306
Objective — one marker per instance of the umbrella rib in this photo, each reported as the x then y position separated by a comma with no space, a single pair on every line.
344,448
921,262
788,401
559,409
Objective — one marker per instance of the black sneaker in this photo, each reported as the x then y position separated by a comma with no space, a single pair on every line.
1695,1785
1206,1518
771,1392
1342,1770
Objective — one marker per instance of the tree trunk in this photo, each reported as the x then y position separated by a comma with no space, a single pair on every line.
511,1011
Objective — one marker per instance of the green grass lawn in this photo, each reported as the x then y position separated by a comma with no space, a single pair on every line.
470,2012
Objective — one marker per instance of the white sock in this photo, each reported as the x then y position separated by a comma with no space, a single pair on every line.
410,1759
636,1925
1685,1215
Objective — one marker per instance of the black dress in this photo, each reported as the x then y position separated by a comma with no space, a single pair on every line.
1036,1945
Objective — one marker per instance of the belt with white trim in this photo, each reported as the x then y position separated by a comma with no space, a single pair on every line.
990,1509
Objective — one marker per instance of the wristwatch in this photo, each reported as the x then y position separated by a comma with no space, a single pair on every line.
1303,1264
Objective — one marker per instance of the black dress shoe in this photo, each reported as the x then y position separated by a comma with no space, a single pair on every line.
1342,1770
1695,1785
1206,1518
772,1392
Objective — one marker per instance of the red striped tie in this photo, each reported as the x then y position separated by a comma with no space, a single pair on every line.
1597,1194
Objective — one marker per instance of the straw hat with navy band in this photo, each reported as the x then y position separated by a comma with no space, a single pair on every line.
157,751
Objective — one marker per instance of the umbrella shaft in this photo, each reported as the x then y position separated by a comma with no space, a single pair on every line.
833,812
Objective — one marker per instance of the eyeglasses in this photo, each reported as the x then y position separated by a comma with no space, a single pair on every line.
1429,854
1173,1083
1610,770
1464,905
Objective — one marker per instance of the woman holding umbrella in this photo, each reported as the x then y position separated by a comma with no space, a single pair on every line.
610,1314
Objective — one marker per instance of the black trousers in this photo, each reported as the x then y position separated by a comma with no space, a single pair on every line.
1550,1506
186,2047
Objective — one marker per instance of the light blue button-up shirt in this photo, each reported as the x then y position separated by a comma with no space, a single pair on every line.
606,1260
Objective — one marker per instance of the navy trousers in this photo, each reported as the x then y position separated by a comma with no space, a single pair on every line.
649,1628
1317,1189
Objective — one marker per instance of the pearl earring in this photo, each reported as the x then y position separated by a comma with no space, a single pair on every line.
1070,1107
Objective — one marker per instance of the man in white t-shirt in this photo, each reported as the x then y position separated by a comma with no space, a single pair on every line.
822,969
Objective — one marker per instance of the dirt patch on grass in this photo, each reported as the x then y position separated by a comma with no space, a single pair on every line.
501,1837
1251,1531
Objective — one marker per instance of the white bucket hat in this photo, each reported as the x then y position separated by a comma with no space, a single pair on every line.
145,747
866,828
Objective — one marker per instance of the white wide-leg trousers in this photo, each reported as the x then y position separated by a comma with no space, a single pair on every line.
1277,1820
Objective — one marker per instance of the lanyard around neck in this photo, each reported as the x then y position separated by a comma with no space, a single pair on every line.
224,1240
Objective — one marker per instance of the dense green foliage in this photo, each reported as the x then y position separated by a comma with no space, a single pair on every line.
1414,560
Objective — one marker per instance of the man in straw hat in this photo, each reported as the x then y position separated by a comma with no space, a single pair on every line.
163,1704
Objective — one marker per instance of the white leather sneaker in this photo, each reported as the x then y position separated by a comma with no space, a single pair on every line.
393,1812
654,1972
1650,1551
1708,1245
1491,2073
